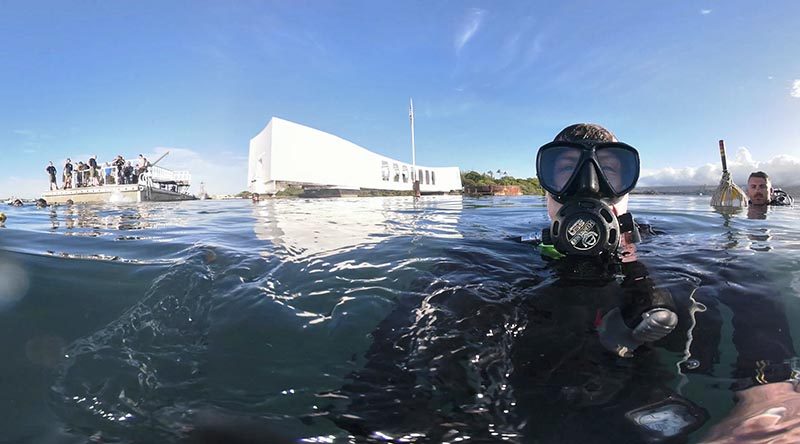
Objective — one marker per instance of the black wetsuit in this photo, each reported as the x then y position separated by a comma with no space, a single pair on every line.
780,198
536,359
52,171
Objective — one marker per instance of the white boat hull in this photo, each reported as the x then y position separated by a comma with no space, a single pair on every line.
114,194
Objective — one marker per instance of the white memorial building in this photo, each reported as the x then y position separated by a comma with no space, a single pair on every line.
287,153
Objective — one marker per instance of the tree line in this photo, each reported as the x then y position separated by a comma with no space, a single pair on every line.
475,179
469,179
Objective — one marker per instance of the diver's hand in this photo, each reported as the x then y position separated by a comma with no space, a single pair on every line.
618,338
767,413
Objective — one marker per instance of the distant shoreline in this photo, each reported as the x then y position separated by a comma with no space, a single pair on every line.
696,190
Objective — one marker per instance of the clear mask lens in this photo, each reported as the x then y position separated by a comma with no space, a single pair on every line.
616,166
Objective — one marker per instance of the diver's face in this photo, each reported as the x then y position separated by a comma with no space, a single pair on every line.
759,190
609,160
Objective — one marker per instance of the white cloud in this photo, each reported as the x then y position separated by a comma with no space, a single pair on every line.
705,11
782,170
469,26
796,89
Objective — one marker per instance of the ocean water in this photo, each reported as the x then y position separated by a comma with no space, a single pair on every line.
353,320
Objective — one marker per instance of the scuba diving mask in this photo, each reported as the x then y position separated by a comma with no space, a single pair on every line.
587,178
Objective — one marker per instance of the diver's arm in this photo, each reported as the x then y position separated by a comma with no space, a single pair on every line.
640,294
646,313
766,375
764,413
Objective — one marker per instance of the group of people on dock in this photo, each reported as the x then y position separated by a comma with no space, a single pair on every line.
116,172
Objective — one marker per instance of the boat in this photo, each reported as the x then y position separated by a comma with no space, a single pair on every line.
155,184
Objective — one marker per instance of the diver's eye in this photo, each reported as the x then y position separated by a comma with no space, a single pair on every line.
609,163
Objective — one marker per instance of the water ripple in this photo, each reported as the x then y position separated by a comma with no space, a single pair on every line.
395,319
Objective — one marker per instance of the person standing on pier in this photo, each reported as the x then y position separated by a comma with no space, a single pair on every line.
68,174
141,165
93,177
52,171
81,172
127,171
119,162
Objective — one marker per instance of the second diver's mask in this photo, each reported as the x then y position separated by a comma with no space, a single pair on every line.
587,178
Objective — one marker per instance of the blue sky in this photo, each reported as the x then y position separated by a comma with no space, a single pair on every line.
491,82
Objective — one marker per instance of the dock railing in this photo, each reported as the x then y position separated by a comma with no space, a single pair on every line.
152,176
164,175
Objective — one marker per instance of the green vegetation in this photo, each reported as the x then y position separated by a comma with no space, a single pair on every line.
290,191
373,193
469,179
472,179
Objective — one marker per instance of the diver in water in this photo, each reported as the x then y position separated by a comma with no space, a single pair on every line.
587,175
567,359
761,194
572,358
583,369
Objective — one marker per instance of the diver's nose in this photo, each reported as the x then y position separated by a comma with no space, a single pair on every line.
588,182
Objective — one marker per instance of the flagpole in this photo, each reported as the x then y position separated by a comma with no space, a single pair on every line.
415,182
413,147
